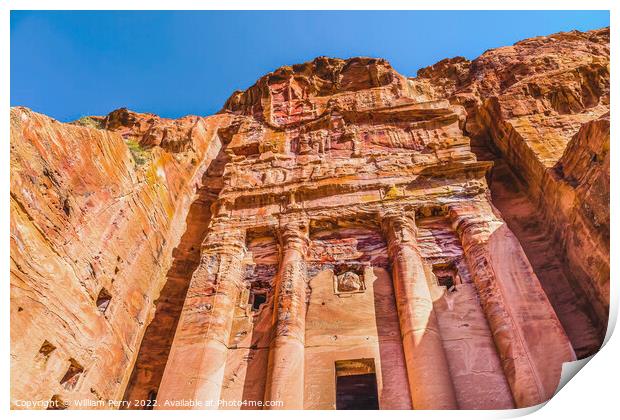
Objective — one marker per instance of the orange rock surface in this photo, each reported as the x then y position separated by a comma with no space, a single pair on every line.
93,229
338,236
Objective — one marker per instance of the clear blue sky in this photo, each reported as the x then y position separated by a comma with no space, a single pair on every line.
70,64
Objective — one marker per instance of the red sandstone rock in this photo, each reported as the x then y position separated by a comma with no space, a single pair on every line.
529,101
150,130
89,224
341,224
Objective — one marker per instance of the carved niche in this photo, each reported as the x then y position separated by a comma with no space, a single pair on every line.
349,282
349,279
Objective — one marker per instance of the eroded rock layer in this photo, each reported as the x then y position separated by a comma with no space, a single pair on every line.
328,240
534,102
93,227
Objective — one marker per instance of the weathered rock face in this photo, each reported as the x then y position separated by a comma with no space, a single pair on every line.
93,228
529,101
342,248
150,130
576,194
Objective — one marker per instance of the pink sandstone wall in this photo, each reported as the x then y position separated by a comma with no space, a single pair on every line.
86,216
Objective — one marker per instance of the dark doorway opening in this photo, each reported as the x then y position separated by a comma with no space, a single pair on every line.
357,392
356,385
257,300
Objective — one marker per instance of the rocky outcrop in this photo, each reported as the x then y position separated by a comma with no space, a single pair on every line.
335,216
93,226
528,101
149,130
294,94
575,195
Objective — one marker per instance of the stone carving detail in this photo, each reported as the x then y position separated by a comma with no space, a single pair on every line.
294,235
349,282
274,176
343,249
399,227
349,277
315,142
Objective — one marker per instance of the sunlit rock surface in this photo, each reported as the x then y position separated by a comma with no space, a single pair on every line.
442,240
93,227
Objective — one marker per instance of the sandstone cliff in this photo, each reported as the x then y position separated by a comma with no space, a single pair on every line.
529,102
109,215
94,221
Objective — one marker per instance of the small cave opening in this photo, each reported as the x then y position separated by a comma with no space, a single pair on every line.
56,403
103,300
447,281
72,376
46,349
257,299
447,276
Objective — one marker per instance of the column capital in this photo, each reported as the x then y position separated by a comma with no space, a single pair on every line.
476,219
230,241
398,227
295,234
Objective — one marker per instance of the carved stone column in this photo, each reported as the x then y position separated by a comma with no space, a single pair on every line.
430,383
530,340
285,374
195,368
